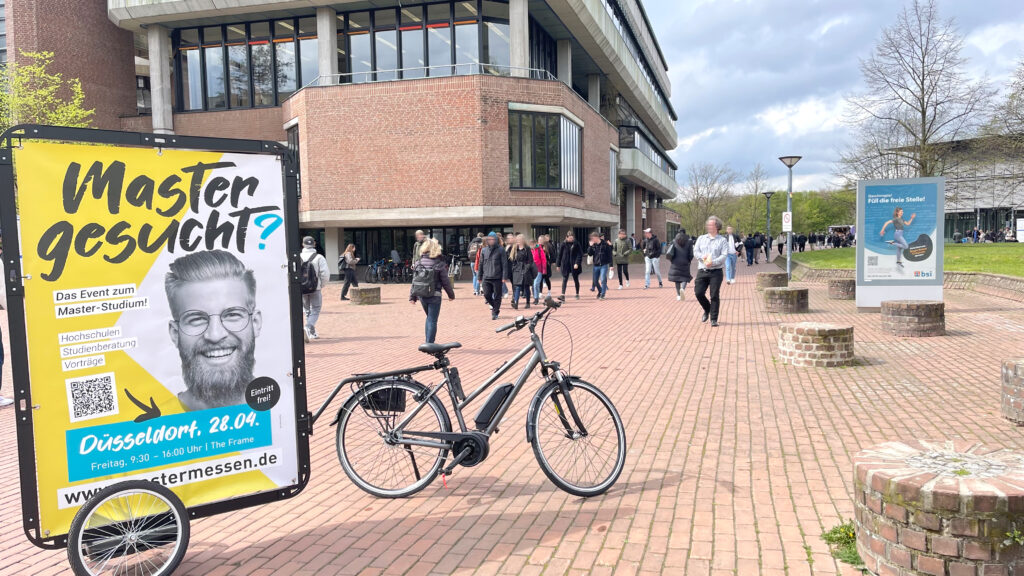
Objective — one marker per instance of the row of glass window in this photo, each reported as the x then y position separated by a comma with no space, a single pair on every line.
262,63
631,137
545,152
618,20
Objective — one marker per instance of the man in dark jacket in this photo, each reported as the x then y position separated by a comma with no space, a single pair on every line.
749,245
495,268
652,258
601,251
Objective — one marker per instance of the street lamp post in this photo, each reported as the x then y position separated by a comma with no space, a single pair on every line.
789,161
768,216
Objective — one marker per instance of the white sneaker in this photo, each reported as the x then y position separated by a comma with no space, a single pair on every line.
6,401
627,283
305,334
679,298
620,287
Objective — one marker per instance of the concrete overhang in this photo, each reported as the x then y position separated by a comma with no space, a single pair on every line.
458,215
639,169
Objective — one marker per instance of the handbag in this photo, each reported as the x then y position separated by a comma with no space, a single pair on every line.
590,260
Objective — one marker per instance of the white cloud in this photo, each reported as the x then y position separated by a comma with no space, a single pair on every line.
687,142
805,117
991,39
824,29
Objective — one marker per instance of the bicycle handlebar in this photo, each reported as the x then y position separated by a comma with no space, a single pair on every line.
521,321
506,327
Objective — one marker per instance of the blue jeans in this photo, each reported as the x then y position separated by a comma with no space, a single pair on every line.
476,282
538,284
651,264
520,290
432,307
730,266
601,279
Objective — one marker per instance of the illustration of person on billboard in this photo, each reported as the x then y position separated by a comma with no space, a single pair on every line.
897,232
214,325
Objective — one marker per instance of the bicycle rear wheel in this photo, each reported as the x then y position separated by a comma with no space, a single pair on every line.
581,463
384,469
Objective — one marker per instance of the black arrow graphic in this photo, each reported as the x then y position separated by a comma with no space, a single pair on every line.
148,412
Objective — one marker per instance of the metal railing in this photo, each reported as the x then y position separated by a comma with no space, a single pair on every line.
442,71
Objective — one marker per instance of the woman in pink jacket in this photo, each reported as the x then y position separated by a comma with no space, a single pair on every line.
540,258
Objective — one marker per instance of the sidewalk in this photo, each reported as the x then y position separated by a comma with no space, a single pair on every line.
736,463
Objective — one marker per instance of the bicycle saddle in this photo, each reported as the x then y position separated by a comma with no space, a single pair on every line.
438,348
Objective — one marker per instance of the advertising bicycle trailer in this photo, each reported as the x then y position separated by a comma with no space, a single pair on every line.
155,326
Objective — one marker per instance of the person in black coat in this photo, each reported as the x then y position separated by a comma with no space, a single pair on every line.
601,251
570,262
749,247
680,255
523,270
494,269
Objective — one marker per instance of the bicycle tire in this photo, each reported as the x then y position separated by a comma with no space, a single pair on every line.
595,424
158,524
351,408
368,275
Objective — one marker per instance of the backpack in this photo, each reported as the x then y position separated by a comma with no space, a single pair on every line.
474,247
342,263
309,279
424,281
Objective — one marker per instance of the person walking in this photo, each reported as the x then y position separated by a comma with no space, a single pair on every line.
430,277
781,242
550,255
748,248
621,249
652,258
540,260
735,245
472,251
601,251
570,262
523,270
680,256
710,251
314,275
421,236
347,265
494,269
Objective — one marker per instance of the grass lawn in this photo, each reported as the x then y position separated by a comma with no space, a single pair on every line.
1006,258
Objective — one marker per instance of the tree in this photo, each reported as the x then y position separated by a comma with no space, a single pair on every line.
916,95
707,187
757,183
31,94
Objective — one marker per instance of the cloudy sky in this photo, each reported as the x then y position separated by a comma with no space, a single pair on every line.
756,79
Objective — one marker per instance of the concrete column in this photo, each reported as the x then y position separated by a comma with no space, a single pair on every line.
594,91
519,43
524,228
327,44
564,52
159,40
332,240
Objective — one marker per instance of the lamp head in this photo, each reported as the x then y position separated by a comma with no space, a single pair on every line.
768,194
789,161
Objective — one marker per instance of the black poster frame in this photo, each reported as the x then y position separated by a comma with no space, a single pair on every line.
16,306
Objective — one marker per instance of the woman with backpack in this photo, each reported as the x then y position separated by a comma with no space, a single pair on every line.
347,265
570,262
523,270
680,255
540,259
429,277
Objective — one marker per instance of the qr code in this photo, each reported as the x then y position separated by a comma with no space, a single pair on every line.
92,396
872,260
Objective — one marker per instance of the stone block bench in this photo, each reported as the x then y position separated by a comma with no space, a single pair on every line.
939,508
771,280
815,344
1013,391
842,289
914,318
364,295
786,300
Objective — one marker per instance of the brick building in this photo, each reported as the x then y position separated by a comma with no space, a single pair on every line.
455,117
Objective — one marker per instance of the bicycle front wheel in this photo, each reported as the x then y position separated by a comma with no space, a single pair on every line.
389,470
581,460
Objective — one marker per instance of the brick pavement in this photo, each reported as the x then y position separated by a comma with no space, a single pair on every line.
736,462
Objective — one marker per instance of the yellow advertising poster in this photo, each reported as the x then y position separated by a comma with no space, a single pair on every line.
158,322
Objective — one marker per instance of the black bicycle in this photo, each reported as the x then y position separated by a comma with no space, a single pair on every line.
392,448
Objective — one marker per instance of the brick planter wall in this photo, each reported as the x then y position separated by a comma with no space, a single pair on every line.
1013,390
842,289
815,344
914,318
938,508
787,300
771,280
365,294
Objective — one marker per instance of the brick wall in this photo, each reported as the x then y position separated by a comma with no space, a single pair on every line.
85,44
439,142
254,124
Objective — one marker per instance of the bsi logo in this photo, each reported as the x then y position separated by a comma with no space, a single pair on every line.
920,274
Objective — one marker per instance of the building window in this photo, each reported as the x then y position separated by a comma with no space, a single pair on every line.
413,56
439,39
309,58
143,103
544,152
613,175
543,50
385,38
